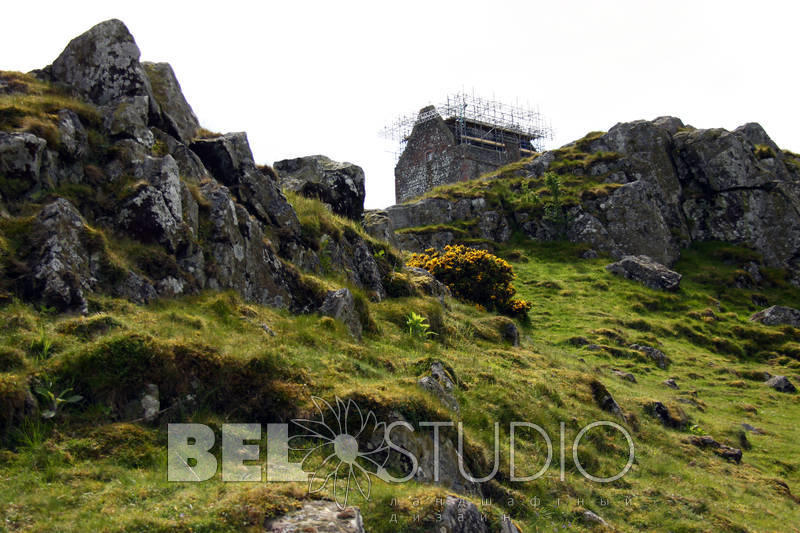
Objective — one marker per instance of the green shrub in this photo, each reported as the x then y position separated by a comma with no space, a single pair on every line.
474,275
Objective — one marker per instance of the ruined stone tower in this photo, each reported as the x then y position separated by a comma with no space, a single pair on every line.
472,138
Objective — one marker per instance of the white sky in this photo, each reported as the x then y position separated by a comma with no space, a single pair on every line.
324,77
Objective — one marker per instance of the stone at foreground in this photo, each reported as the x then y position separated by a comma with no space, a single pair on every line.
320,517
646,271
340,305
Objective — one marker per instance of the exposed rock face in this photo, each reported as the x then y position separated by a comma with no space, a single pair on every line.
646,271
21,156
340,185
341,306
155,212
781,384
74,139
671,417
177,115
655,354
102,65
778,315
241,258
440,385
604,400
59,264
230,161
377,224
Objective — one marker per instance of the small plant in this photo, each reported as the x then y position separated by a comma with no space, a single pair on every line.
418,326
697,430
554,210
41,347
379,254
55,402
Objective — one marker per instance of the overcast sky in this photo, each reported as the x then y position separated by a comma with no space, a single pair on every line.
308,78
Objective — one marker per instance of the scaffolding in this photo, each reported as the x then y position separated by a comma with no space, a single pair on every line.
480,122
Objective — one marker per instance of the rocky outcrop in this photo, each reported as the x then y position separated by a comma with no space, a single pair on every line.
439,384
778,315
646,271
21,156
102,66
726,452
177,116
230,161
658,357
461,516
340,185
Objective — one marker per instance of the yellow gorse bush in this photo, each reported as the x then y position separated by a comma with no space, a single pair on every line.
474,275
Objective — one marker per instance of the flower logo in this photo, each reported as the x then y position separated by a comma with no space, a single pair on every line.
342,446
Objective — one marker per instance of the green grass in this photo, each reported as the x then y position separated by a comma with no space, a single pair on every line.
63,475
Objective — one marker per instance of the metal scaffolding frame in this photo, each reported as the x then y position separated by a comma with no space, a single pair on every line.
481,122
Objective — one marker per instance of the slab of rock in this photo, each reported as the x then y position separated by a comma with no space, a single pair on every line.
724,451
781,384
230,161
778,315
670,383
73,136
592,518
440,385
377,224
128,118
643,269
661,360
432,286
341,306
340,185
319,516
177,116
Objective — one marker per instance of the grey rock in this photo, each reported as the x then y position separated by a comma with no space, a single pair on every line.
752,429
589,254
150,403
230,161
604,400
672,418
439,384
724,451
241,259
781,384
627,376
591,518
319,516
646,271
155,211
461,516
177,115
136,289
102,65
661,360
378,225
128,117
778,315
74,139
268,330
21,156
430,285
670,383
59,263
352,255
340,185
341,306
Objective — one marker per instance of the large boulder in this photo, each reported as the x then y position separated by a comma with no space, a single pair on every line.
102,66
781,384
778,315
340,185
230,161
177,115
646,271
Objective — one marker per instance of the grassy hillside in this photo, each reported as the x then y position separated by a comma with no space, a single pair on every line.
92,468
